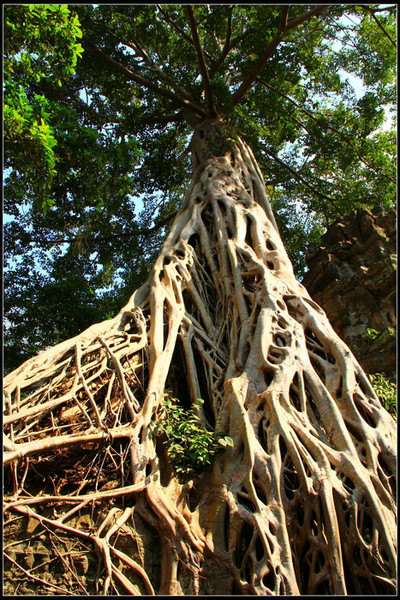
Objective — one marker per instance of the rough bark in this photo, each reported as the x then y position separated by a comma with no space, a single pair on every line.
303,502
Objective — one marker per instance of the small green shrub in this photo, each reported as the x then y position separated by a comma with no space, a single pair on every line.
191,448
386,392
372,334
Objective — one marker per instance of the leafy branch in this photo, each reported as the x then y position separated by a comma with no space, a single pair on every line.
131,76
201,61
284,27
372,13
227,46
299,177
322,124
118,235
178,29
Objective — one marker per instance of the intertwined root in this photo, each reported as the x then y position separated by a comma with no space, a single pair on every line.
303,503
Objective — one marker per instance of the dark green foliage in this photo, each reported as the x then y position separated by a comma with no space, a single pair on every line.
191,448
97,163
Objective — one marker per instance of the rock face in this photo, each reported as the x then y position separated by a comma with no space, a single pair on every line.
352,276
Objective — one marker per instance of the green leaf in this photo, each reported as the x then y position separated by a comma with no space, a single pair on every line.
79,48
372,333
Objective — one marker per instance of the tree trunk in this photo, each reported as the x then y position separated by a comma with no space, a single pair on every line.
303,503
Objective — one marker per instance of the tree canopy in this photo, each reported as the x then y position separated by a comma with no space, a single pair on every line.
100,102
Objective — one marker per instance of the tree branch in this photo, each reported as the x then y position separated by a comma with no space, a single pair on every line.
306,16
372,13
162,119
269,51
386,8
81,104
227,46
153,66
297,175
107,238
322,126
201,61
131,76
179,30
284,18
102,119
258,67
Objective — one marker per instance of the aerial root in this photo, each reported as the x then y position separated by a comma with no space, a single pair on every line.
310,481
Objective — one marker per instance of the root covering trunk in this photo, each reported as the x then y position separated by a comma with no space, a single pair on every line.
304,502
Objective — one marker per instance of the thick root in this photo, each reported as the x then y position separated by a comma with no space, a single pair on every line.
304,502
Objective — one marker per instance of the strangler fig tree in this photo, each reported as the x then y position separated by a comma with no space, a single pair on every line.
278,476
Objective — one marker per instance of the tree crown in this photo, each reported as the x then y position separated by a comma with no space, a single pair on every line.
100,104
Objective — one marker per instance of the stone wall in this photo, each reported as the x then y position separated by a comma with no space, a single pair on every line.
352,276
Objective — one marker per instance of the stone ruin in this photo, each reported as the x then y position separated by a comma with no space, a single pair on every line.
352,276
